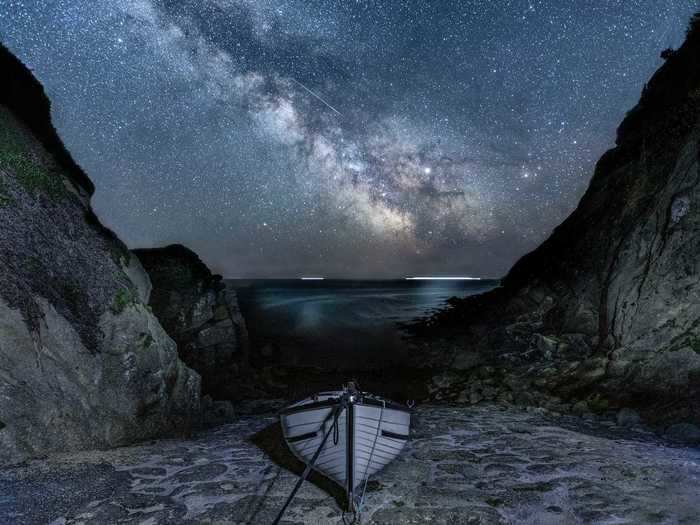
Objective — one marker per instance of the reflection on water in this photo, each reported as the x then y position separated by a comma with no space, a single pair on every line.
340,323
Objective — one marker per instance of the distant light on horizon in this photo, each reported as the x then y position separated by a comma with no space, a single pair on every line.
443,278
312,278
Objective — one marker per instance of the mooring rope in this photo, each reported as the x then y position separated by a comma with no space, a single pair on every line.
371,454
333,414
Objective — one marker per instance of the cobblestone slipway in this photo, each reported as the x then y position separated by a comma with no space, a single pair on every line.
482,464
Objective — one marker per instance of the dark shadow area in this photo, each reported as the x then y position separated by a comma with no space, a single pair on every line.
400,384
271,441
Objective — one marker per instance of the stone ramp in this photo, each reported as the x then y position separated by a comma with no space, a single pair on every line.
484,464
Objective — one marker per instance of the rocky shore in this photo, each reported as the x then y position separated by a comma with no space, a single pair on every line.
605,314
486,384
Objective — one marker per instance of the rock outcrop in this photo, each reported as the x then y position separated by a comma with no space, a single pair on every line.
83,362
606,312
201,313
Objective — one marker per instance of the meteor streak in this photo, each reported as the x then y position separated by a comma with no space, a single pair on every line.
317,96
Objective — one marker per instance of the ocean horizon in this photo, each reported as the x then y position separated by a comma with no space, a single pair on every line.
343,321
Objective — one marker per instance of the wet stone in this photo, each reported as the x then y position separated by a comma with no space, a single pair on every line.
479,464
438,516
462,469
499,468
542,468
200,473
153,471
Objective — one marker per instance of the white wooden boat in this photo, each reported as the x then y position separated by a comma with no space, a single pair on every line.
346,435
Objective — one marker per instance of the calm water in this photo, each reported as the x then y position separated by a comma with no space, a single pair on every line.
340,323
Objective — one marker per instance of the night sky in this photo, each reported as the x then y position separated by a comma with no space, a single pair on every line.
280,138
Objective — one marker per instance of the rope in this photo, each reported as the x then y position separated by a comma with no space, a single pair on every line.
371,454
334,414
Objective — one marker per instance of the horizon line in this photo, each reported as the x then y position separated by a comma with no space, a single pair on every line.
425,278
335,278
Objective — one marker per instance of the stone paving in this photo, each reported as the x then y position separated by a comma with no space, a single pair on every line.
482,464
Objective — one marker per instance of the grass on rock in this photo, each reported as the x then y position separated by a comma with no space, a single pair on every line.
17,159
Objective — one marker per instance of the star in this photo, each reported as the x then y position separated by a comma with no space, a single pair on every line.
383,138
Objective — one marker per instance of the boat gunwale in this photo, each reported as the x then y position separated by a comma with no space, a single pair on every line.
386,403
365,401
294,409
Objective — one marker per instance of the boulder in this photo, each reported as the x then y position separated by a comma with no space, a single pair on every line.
547,345
201,313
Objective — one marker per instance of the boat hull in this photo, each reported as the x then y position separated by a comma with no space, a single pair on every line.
370,433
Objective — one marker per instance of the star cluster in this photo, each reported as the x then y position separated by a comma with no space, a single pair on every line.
342,138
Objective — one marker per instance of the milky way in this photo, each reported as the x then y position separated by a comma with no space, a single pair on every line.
280,138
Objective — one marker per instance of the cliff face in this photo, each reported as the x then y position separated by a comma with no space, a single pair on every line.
608,308
83,362
201,314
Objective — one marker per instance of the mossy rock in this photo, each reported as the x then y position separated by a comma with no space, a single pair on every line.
146,341
694,343
16,159
598,404
119,253
124,298
6,200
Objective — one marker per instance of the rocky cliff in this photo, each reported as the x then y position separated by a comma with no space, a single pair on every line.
83,362
201,313
606,312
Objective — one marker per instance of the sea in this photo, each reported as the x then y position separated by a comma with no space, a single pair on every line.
341,323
